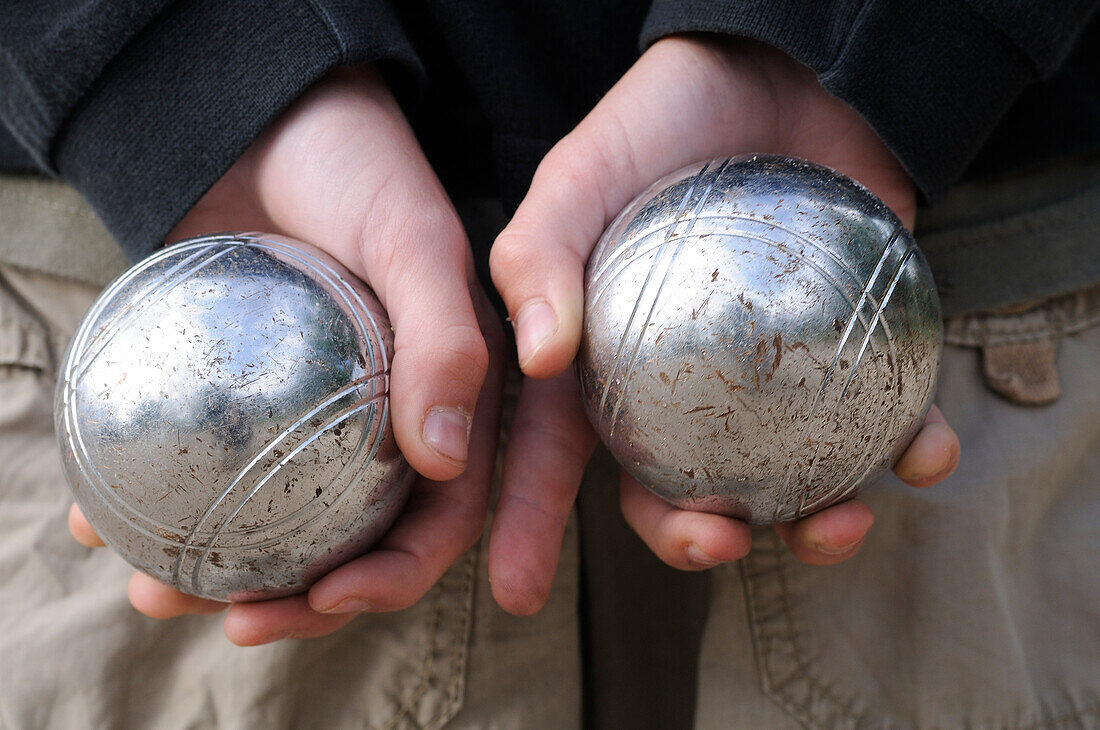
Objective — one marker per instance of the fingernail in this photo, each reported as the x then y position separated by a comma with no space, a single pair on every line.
351,604
447,432
700,558
837,550
535,324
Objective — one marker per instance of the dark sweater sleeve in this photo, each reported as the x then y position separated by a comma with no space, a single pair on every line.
932,77
143,106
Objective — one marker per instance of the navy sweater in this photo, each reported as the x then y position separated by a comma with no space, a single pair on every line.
142,106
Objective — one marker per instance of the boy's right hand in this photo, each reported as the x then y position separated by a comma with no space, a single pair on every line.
342,170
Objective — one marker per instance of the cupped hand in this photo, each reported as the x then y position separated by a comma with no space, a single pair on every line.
342,170
688,98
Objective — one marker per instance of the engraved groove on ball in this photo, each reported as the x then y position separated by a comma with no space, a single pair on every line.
346,293
270,447
153,294
602,279
857,309
783,501
657,296
270,474
857,313
844,488
649,275
147,302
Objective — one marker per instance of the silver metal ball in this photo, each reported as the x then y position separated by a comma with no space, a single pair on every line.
223,416
761,338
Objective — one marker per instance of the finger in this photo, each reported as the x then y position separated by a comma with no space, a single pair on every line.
441,521
630,139
82,530
157,600
830,536
684,539
548,447
440,357
252,624
932,456
359,186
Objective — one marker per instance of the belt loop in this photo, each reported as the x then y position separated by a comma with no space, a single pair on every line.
1023,372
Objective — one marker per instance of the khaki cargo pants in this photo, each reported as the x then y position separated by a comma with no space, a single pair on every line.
975,604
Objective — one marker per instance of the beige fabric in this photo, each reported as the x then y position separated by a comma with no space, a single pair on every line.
1023,372
75,655
37,214
1031,321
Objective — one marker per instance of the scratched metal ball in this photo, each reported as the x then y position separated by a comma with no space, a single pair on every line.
761,338
223,416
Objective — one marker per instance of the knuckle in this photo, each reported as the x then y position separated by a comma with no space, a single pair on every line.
456,357
554,438
547,512
660,532
521,268
411,585
568,165
510,258
667,543
410,234
463,355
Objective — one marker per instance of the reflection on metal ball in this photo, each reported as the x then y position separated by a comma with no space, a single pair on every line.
223,416
761,338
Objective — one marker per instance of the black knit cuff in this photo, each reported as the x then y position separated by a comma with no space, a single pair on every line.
184,100
932,77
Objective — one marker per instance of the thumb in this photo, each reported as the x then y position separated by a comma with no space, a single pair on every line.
685,100
659,117
537,262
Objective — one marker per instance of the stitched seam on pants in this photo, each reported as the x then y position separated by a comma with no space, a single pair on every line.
426,668
803,667
776,690
45,202
16,353
458,654
458,659
1063,315
26,341
405,712
975,334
